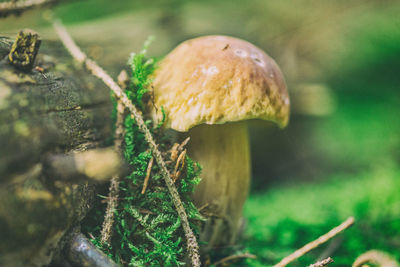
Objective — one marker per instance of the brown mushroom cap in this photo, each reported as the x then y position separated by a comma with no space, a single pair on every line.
217,79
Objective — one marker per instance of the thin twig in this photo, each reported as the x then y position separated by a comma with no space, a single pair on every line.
119,127
203,207
176,148
174,151
96,70
113,191
375,257
184,143
106,229
180,164
19,6
234,257
148,171
310,246
322,263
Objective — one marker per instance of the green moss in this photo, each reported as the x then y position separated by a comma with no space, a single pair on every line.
287,217
147,229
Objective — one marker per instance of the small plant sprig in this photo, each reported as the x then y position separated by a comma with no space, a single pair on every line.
141,68
137,245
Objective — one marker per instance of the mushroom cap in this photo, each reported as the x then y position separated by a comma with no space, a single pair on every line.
218,79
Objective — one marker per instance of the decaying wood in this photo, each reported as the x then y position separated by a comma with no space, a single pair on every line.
5,46
49,112
56,111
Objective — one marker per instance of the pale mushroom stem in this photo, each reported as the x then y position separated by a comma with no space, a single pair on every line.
223,151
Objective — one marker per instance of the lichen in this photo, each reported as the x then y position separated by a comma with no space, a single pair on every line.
24,50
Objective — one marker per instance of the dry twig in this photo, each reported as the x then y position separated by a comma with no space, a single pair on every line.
148,171
234,257
176,148
16,7
112,201
310,246
96,70
113,191
375,257
174,152
203,207
184,143
322,263
180,164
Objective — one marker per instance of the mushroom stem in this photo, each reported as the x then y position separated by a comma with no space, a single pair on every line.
223,151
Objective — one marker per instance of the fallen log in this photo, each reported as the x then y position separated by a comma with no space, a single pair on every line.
53,109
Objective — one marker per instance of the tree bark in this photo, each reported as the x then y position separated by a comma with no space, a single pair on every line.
56,108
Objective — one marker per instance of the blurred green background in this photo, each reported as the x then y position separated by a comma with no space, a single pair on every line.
340,154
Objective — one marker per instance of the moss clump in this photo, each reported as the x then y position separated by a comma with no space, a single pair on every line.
147,229
302,212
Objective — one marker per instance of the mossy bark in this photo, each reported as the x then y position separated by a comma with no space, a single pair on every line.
56,108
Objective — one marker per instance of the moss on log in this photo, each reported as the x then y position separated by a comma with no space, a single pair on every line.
53,109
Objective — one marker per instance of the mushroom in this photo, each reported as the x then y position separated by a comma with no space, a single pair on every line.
208,87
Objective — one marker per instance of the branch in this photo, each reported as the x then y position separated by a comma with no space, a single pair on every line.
147,178
113,192
19,6
310,246
375,257
96,70
81,252
322,263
